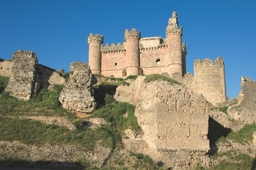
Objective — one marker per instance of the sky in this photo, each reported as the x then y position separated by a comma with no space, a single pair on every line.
57,30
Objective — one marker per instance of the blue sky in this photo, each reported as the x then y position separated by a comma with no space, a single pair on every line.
57,30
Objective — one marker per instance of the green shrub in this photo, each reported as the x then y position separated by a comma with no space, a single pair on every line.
224,109
244,135
154,77
131,77
3,83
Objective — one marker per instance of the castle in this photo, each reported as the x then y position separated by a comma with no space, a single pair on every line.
154,55
139,55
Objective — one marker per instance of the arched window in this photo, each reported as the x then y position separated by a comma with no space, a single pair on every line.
158,61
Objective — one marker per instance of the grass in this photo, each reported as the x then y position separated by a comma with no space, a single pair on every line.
118,115
224,109
154,77
114,113
3,83
235,161
244,135
131,77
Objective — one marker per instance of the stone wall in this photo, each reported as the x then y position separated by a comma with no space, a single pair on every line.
47,77
77,94
114,63
171,116
22,80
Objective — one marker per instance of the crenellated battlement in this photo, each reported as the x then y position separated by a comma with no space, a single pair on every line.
113,47
95,38
208,62
131,34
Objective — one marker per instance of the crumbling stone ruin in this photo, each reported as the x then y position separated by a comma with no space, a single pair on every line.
172,117
26,75
21,83
77,94
244,111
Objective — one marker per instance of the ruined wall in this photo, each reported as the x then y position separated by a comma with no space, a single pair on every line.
209,80
6,68
22,81
244,111
171,116
48,77
247,94
77,95
44,75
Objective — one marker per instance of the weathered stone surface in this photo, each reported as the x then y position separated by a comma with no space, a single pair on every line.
171,116
21,83
77,94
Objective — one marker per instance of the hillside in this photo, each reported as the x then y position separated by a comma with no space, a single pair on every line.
40,133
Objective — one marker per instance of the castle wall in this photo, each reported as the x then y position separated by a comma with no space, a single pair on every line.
209,80
113,63
154,60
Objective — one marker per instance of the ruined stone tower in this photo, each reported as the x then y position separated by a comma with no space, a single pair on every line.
140,55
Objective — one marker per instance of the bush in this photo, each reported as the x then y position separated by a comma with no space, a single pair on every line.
244,135
154,77
131,77
3,83
224,109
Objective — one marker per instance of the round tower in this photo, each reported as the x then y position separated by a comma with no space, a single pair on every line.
174,34
95,42
132,51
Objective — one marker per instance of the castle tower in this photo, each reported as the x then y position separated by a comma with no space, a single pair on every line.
174,34
132,51
95,42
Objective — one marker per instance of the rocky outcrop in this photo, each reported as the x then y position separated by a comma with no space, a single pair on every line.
77,94
174,121
22,80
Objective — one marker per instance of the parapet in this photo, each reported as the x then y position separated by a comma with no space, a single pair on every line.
133,34
207,62
113,47
95,38
150,43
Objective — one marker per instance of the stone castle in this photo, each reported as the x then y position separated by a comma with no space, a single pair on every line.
154,55
139,55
